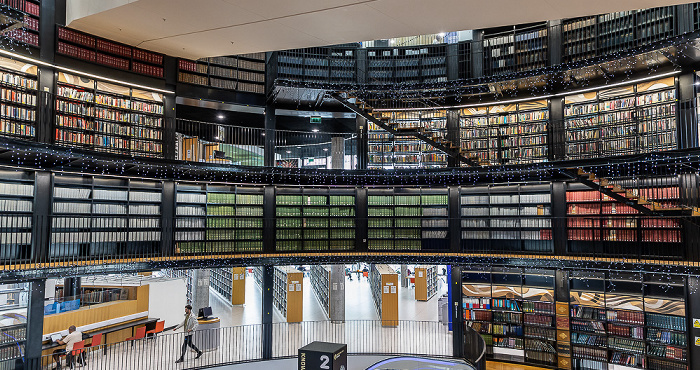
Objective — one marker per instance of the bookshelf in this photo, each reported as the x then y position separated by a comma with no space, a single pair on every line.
288,294
234,218
101,51
517,50
106,117
615,32
514,311
229,283
516,217
627,322
321,285
655,24
18,99
579,39
245,72
388,151
624,120
16,206
95,215
343,65
593,218
315,219
30,10
190,217
384,283
407,219
221,282
426,282
218,218
258,276
506,134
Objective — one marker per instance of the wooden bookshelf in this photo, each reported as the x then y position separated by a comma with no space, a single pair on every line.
384,283
229,282
426,283
288,295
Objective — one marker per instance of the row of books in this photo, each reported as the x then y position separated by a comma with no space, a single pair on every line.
10,127
83,39
636,332
627,317
17,96
584,312
17,80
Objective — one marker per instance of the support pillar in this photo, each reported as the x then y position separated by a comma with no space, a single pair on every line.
267,296
41,238
71,287
454,291
687,116
338,153
337,294
453,134
404,276
362,148
200,289
35,324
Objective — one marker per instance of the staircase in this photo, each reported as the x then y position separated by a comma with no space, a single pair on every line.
627,196
383,120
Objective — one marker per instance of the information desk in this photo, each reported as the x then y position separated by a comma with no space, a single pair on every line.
206,337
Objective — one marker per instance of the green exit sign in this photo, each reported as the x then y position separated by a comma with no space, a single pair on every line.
315,119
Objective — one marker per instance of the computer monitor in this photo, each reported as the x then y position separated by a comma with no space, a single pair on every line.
205,312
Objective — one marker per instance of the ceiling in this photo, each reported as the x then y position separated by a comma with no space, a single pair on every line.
201,28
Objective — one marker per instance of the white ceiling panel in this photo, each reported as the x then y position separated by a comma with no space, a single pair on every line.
201,28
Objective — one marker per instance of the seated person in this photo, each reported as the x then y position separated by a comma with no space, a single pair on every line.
73,336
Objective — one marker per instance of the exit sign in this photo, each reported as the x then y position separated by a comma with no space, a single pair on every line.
315,119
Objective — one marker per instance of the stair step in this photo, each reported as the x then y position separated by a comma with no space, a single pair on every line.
618,189
630,195
642,201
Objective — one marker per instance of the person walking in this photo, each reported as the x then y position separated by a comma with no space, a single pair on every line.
189,325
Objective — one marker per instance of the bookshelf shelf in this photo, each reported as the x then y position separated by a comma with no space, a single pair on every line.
240,73
321,284
108,117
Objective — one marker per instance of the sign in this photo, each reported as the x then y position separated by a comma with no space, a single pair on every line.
323,356
696,323
315,119
697,341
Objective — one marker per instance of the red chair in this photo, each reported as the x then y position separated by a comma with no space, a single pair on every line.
160,326
96,341
78,348
140,334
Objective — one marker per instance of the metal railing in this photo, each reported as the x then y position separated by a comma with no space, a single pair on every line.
236,145
230,345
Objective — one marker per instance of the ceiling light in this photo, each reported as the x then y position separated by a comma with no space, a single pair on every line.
289,151
325,149
220,116
441,34
315,130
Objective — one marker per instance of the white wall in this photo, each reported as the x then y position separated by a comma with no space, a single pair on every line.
167,300
82,8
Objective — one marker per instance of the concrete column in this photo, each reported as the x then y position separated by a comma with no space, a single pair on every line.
338,153
404,278
267,307
337,294
200,289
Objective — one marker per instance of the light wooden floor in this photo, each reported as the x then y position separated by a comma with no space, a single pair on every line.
490,365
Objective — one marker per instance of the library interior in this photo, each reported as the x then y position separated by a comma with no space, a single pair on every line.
250,185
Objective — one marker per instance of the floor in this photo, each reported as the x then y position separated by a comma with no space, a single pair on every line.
356,363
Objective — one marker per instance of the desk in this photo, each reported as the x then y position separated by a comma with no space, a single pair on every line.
207,337
149,322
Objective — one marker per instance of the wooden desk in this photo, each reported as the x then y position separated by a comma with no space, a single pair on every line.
150,324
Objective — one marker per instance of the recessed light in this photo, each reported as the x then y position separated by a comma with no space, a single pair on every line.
315,130
220,116
325,149
289,151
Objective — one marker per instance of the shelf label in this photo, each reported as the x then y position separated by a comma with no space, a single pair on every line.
696,323
235,276
298,287
386,289
393,289
335,286
420,274
291,287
